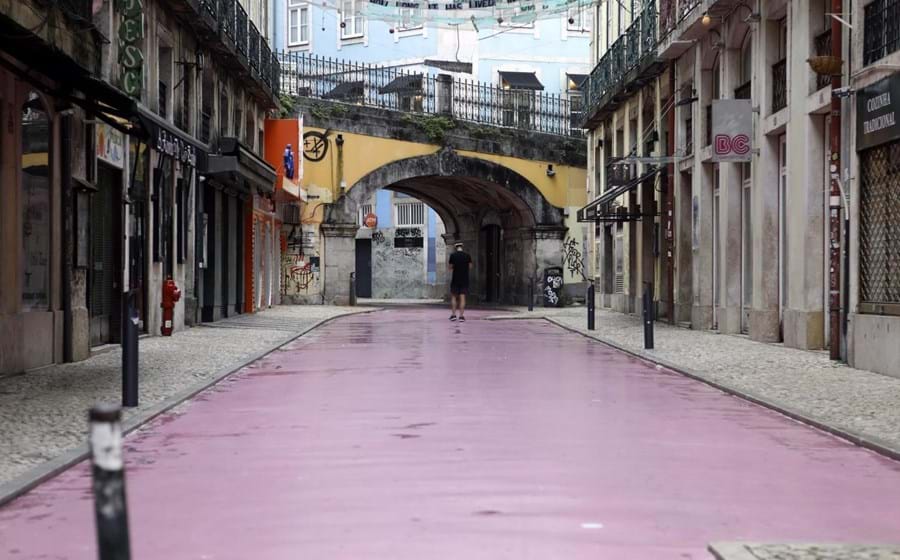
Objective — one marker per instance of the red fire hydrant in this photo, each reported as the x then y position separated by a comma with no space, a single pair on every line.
171,294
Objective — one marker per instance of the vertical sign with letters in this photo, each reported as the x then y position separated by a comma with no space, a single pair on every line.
131,37
732,129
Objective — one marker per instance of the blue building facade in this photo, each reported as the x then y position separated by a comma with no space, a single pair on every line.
554,49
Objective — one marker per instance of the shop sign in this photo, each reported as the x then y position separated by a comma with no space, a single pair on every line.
176,147
110,145
131,36
877,109
732,128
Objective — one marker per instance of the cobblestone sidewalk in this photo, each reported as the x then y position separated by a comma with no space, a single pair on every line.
800,551
807,384
43,413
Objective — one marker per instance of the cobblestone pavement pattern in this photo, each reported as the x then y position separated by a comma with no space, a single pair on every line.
401,435
809,383
799,551
44,412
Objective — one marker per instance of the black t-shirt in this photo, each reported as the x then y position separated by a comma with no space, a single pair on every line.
460,261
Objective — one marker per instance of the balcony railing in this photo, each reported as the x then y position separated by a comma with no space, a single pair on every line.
672,12
881,29
211,7
240,34
244,37
308,75
779,85
822,44
632,49
253,48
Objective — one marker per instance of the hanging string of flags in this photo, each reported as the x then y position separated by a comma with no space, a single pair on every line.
454,12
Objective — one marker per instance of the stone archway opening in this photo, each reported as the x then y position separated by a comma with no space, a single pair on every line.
509,228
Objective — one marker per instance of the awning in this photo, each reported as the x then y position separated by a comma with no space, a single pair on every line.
237,166
450,66
346,90
520,80
577,81
408,84
591,212
164,137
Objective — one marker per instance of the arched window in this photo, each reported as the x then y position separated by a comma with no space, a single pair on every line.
36,205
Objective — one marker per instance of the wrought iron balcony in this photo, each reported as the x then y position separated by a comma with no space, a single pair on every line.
779,85
822,45
226,27
241,35
629,61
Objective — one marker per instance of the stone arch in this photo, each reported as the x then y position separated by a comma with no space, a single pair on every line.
527,235
409,174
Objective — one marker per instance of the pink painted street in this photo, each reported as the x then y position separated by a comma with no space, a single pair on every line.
398,434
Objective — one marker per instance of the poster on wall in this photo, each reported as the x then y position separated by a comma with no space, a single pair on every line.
110,145
732,129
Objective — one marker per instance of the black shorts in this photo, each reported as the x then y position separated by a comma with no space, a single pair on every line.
459,288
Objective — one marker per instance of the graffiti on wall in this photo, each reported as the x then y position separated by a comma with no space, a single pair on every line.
300,263
572,257
378,237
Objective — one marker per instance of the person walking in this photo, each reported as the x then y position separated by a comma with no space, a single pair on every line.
460,263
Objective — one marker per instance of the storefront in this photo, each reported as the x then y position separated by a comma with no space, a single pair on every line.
877,320
237,237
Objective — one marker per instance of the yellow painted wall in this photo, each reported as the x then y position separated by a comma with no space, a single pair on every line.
364,154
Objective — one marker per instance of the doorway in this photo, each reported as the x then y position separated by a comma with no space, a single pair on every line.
364,268
106,232
490,237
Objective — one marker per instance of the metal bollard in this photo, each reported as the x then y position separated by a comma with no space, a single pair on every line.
591,311
130,352
531,294
648,315
352,288
108,469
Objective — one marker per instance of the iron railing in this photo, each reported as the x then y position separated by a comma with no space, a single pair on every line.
253,48
211,7
627,53
227,21
879,230
822,44
240,34
308,75
672,12
881,29
779,85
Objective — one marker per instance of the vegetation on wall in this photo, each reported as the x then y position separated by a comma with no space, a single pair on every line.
327,111
435,127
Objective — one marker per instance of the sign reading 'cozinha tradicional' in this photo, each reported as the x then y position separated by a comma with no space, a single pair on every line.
877,107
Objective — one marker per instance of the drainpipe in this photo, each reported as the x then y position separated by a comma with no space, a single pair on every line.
670,201
834,219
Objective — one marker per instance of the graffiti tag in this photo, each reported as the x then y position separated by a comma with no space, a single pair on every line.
572,257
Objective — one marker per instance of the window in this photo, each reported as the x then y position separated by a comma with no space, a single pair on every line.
352,22
579,19
365,210
881,29
409,214
298,23
36,205
409,20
